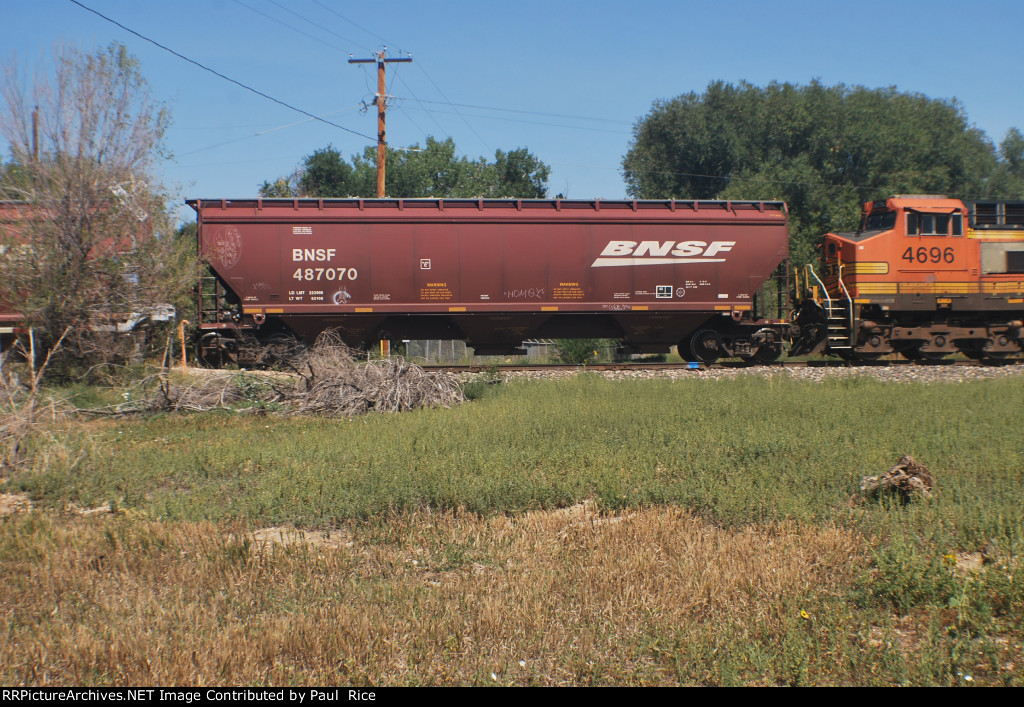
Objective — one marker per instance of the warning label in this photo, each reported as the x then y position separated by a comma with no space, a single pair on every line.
435,292
567,290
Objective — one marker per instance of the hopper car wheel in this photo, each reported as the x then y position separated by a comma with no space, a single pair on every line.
768,353
216,350
706,346
684,348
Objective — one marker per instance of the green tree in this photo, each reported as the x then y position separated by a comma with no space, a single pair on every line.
823,149
1009,178
431,171
91,246
580,351
15,181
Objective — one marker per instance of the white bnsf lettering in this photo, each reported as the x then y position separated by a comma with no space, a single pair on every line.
620,253
314,255
619,248
656,248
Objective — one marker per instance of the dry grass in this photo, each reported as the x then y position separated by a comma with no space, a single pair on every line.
24,411
556,598
737,557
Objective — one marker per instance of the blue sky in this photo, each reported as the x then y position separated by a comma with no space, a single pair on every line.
565,79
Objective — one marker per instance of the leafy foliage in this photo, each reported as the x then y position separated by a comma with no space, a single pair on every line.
433,171
823,149
579,351
87,246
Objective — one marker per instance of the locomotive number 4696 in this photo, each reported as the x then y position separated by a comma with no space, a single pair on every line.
929,255
328,274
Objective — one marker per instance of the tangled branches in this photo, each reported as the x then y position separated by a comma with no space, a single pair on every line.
327,380
22,408
333,384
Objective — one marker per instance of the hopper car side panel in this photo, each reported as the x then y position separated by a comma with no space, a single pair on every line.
492,272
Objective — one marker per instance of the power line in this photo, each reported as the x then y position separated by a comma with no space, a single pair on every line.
292,28
425,109
335,12
532,112
220,75
420,65
259,134
412,120
316,24
520,120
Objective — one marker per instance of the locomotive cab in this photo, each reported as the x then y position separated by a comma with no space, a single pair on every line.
925,277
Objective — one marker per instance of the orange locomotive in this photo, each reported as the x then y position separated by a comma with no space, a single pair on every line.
925,276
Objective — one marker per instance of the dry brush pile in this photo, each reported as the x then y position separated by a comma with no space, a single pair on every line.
327,380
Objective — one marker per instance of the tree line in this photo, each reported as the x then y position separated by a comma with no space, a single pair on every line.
435,170
824,150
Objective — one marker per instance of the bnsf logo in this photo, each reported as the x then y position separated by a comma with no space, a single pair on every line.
618,253
314,255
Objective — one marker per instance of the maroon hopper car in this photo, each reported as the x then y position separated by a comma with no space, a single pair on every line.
493,272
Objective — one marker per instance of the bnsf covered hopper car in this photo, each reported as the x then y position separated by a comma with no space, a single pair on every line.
494,272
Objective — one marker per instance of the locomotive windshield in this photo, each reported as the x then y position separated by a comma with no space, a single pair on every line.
878,221
923,224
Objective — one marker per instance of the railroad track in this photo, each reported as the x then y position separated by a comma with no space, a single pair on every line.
725,365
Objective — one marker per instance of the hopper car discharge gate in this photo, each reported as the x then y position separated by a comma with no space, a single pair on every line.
708,276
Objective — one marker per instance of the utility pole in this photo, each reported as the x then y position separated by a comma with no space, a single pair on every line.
381,101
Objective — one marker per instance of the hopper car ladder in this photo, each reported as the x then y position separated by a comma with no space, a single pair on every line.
217,321
212,309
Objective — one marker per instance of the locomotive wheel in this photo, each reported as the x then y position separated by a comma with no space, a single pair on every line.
917,354
973,353
978,353
706,346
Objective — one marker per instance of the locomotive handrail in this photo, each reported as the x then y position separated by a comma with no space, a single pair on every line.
824,290
846,292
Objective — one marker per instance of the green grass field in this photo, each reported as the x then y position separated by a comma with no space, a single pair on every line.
552,532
